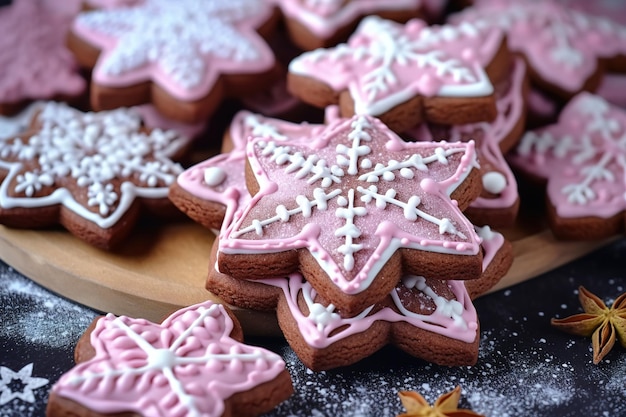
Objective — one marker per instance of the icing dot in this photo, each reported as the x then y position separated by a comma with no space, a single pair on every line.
214,176
494,182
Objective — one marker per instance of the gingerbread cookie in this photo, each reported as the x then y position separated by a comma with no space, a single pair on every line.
565,49
36,65
315,24
193,364
498,204
353,203
405,74
582,160
209,189
90,172
430,318
184,57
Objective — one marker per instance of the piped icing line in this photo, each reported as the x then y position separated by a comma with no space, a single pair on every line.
583,158
183,46
90,151
187,366
561,44
35,62
13,125
456,319
352,242
324,18
384,63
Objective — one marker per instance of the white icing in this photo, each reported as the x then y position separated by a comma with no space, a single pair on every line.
494,182
90,151
214,176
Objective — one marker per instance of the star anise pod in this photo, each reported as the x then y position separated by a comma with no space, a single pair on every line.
603,324
445,406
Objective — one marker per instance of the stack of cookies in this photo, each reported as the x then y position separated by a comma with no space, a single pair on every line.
366,151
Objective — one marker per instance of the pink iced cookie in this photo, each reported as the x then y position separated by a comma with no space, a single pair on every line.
182,56
34,61
562,46
406,73
313,23
193,364
349,204
432,319
582,159
499,203
216,188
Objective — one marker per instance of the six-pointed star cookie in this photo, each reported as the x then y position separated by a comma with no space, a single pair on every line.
193,364
35,62
90,172
353,203
405,73
583,160
498,204
561,45
432,319
183,56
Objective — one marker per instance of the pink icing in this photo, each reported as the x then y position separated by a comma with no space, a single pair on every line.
352,195
187,366
582,157
562,45
510,104
609,9
155,120
35,63
384,63
183,46
613,89
94,164
231,191
324,18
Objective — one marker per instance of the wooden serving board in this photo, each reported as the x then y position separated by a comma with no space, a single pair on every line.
162,269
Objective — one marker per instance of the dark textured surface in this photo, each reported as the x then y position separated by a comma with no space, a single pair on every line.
525,366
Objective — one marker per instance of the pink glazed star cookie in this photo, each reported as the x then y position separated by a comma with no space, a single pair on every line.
34,62
406,73
193,364
315,24
182,56
432,319
582,158
498,204
90,172
350,205
212,188
565,49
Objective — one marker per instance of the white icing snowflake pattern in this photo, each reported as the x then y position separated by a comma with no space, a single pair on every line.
385,63
583,157
187,43
353,187
94,164
24,377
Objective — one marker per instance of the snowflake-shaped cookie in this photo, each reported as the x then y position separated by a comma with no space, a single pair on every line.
88,171
188,366
583,159
498,204
183,47
323,19
357,199
34,60
385,64
563,46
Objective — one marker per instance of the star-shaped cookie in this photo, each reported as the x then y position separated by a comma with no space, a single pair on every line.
90,172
